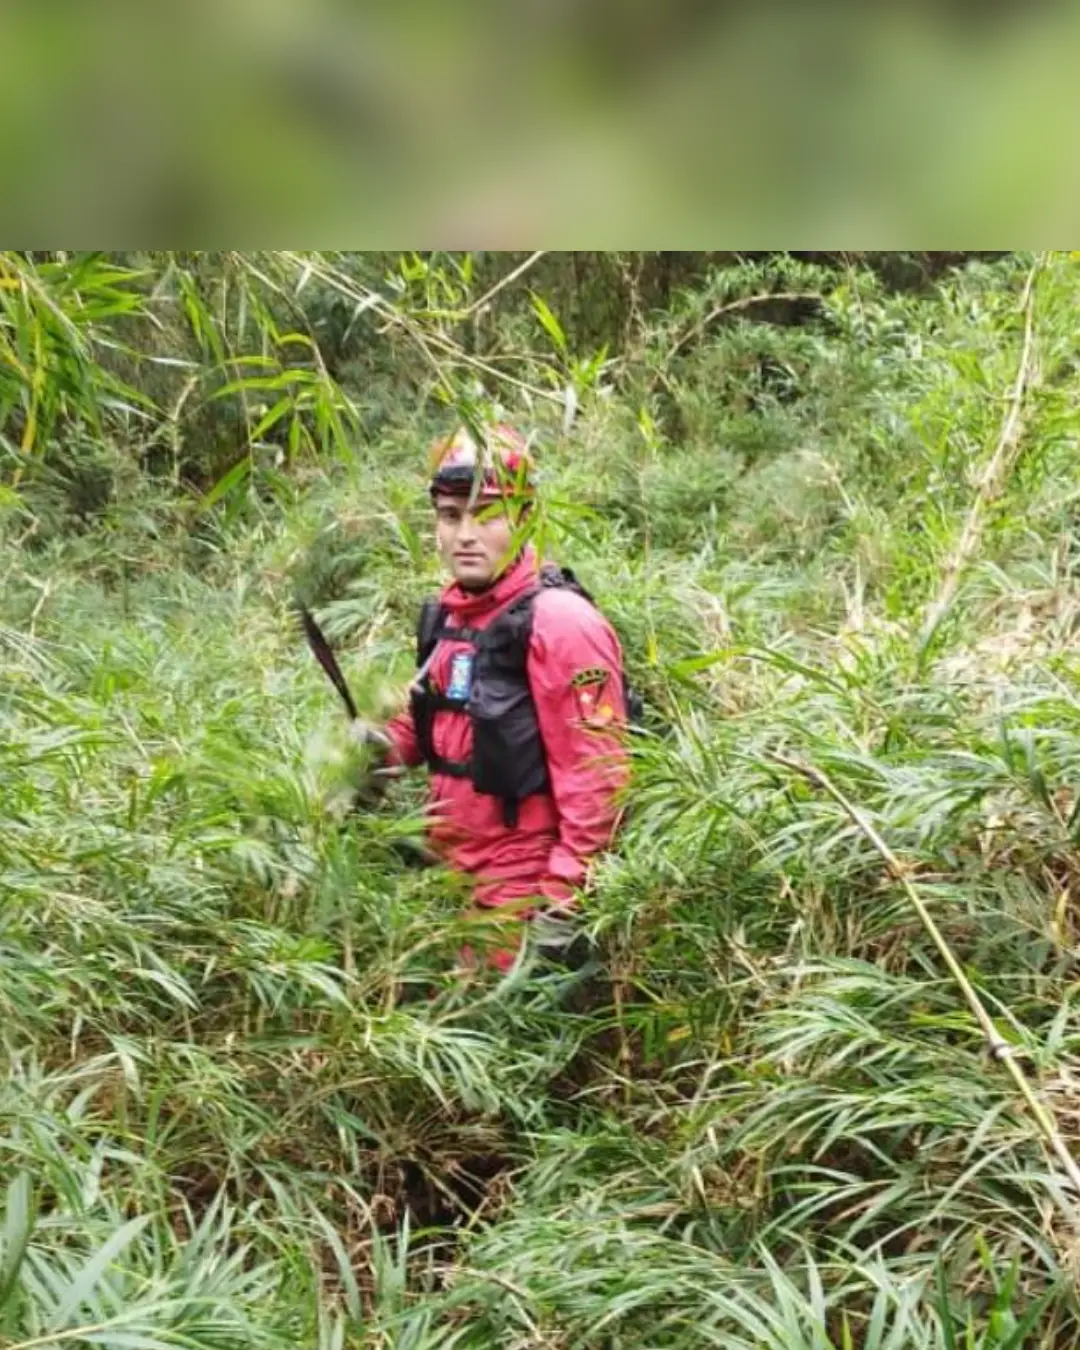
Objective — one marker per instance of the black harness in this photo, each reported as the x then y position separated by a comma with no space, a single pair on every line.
507,759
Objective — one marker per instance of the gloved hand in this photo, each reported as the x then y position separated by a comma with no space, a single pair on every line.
363,733
376,772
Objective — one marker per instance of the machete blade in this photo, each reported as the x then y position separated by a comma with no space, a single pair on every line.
326,658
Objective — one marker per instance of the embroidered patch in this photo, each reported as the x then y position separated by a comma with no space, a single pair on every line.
461,665
590,675
588,686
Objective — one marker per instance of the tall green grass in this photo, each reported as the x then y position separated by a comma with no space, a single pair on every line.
244,1101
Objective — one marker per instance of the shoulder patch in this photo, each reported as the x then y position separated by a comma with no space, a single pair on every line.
588,686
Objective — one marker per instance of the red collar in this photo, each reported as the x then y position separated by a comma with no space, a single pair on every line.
472,607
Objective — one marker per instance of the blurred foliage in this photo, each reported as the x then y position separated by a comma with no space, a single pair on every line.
244,1102
501,125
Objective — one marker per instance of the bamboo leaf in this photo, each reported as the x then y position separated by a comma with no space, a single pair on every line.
549,323
19,1217
84,1286
226,484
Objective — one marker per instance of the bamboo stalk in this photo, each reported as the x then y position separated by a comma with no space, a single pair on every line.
1008,443
734,306
999,1047
510,277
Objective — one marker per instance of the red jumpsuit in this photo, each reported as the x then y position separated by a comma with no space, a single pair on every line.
574,669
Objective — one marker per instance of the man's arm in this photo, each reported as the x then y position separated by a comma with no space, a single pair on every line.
575,676
404,748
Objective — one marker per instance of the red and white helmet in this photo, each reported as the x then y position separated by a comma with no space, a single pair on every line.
501,467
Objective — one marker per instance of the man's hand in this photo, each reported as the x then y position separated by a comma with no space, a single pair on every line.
378,773
363,733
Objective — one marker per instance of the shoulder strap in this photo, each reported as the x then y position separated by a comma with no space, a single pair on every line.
427,628
513,625
516,621
563,578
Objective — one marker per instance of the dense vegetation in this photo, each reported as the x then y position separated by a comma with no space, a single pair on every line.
832,506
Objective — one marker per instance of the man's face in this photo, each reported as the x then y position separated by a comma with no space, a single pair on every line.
475,541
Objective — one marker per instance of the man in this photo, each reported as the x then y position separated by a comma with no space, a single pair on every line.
518,706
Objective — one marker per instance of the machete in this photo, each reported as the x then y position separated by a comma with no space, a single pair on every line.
326,658
411,853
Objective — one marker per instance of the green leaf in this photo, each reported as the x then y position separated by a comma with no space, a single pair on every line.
81,1290
280,409
18,1226
226,484
550,323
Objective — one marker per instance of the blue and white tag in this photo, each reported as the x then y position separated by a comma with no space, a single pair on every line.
461,665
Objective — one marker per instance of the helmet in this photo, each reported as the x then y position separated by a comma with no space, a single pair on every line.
502,467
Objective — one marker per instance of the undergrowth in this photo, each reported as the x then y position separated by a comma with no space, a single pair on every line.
245,1103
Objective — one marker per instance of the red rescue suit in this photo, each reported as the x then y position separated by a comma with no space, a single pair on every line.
574,671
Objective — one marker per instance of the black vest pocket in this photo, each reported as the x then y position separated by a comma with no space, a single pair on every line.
508,754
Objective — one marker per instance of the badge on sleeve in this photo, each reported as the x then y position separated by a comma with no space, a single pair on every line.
460,675
589,688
